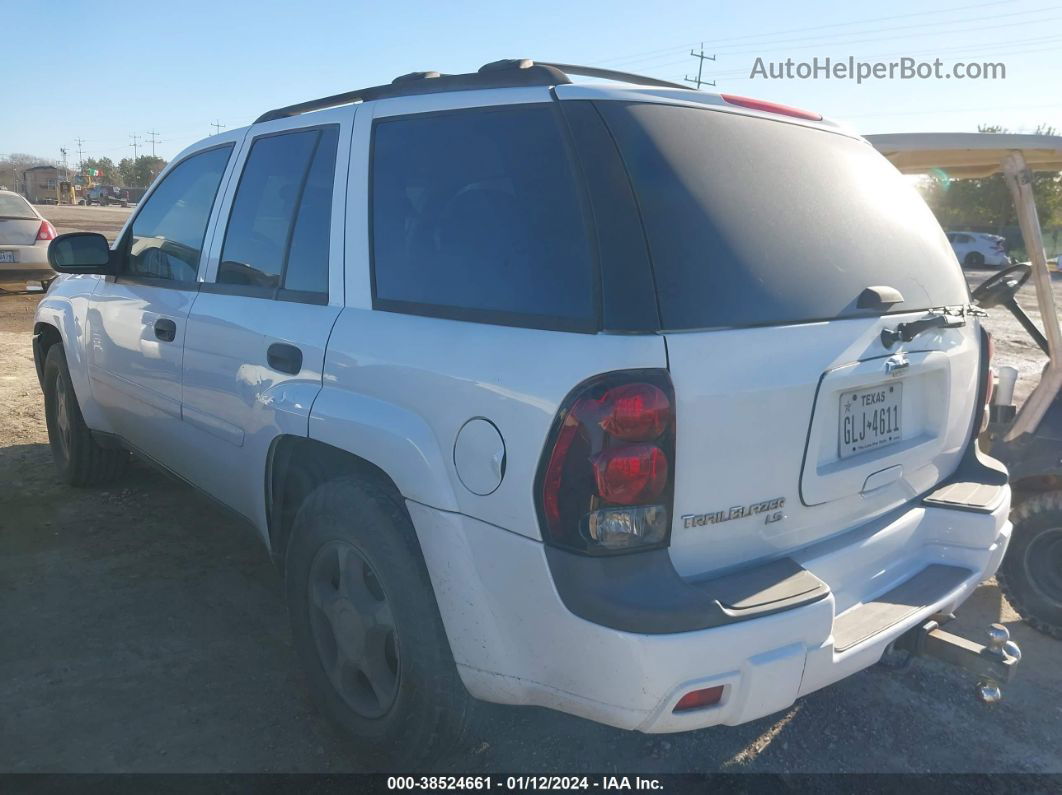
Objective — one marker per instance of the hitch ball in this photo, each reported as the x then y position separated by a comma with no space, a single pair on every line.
988,692
1001,647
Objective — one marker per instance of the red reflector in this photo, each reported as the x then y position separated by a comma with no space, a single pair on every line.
630,474
696,699
771,107
46,232
636,412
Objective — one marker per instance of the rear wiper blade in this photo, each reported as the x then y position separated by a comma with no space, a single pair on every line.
944,317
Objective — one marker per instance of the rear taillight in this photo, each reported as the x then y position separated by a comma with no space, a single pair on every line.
46,232
606,480
988,377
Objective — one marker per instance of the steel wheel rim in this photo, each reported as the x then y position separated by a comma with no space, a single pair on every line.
353,629
1043,562
62,414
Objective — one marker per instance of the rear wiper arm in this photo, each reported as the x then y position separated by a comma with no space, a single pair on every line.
945,317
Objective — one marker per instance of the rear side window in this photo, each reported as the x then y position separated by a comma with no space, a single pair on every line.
756,222
477,215
167,234
279,226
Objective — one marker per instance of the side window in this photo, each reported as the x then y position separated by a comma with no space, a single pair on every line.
278,231
476,215
167,234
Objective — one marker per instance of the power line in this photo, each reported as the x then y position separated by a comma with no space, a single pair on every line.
892,38
701,58
651,54
218,127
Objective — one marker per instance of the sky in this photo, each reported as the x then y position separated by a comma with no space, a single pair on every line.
106,70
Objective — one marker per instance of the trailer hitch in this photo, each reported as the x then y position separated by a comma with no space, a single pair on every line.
993,663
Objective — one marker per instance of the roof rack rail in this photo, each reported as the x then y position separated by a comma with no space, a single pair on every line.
612,74
508,73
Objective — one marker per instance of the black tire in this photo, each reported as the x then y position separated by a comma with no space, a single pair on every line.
79,459
414,707
975,259
1031,574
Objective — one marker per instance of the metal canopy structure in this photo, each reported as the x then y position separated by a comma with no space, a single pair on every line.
970,155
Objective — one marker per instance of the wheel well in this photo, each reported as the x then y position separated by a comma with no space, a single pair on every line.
46,335
297,466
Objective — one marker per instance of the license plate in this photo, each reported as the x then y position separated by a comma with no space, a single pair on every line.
7,256
870,418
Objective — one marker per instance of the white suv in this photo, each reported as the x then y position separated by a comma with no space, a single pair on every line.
653,406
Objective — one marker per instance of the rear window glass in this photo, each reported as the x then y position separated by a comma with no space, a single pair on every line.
476,215
15,207
758,222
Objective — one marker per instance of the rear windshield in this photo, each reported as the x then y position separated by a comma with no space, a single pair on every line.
15,207
757,222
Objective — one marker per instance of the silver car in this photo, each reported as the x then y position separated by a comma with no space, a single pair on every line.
24,238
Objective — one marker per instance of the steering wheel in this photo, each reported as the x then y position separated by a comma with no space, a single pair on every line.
1001,288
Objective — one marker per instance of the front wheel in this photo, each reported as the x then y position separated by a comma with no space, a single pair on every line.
80,459
1031,574
367,627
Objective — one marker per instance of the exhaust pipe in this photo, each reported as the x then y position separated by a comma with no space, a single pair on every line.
994,663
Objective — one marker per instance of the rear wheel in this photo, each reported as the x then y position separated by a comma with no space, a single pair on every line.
80,460
367,627
975,259
1031,574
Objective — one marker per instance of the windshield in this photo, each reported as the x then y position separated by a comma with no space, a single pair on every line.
753,222
12,206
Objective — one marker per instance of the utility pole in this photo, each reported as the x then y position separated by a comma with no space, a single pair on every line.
132,171
153,140
701,58
217,125
80,155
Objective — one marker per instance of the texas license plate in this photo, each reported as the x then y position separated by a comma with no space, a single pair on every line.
870,418
7,256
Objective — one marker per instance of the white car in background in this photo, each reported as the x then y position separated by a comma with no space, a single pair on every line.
974,249
24,239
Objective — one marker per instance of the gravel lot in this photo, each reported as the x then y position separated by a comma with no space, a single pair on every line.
144,631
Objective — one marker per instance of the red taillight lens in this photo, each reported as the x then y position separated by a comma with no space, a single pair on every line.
636,412
46,232
630,474
771,107
606,481
698,699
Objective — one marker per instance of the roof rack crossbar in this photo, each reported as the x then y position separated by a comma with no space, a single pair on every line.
509,73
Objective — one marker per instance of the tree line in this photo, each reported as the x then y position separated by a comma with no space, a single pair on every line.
985,205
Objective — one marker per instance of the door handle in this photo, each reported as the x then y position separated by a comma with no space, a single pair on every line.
165,329
284,358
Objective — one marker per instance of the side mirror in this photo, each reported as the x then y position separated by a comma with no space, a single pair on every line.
80,252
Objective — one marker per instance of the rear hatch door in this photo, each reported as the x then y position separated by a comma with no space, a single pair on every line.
795,421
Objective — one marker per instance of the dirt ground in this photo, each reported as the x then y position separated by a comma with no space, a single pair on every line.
143,630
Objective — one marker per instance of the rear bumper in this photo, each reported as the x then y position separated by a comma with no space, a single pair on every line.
31,264
515,641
